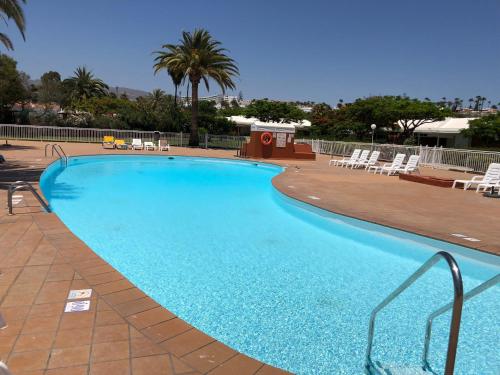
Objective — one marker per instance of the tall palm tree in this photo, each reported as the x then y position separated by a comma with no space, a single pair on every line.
84,85
177,76
11,9
200,58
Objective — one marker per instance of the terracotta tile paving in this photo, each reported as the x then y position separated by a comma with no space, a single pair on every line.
125,332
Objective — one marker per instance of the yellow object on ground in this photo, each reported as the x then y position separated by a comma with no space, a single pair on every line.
120,143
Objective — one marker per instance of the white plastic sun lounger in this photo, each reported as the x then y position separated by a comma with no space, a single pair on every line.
164,147
137,144
352,158
149,146
491,176
362,158
485,186
411,166
370,162
388,167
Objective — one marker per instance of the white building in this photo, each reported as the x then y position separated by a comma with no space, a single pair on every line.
444,133
245,123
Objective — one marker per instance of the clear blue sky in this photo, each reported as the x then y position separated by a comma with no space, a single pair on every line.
319,50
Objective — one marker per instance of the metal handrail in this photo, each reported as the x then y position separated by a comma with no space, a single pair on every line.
56,147
455,317
471,293
18,185
45,149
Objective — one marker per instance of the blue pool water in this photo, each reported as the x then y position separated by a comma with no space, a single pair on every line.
278,280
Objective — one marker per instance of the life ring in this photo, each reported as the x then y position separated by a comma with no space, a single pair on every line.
266,138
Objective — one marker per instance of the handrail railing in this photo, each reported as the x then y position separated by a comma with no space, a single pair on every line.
18,185
456,312
471,293
56,147
45,148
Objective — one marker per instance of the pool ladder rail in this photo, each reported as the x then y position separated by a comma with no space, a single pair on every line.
19,185
55,147
459,298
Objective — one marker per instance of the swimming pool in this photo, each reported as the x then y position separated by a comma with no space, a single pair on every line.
276,279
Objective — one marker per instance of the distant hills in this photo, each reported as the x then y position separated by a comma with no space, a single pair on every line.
131,93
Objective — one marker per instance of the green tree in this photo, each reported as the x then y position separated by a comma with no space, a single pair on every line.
200,58
484,131
51,89
176,75
266,110
156,97
84,85
12,88
321,114
12,10
388,111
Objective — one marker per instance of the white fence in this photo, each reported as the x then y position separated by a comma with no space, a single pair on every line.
436,157
89,135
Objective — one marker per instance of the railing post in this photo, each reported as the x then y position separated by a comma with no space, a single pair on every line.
206,140
181,139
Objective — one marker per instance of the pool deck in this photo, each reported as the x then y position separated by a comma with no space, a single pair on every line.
126,332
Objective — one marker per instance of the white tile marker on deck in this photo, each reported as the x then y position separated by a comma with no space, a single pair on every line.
464,237
79,293
77,306
313,197
16,199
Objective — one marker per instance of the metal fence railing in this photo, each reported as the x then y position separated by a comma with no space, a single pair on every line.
89,135
435,157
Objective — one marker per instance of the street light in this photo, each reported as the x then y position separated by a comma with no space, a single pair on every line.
373,126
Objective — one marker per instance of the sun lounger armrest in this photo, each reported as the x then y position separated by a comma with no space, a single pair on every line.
475,178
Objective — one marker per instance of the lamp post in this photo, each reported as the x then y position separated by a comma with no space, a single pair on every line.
373,126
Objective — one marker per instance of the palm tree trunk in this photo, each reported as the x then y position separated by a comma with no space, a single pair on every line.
193,137
175,96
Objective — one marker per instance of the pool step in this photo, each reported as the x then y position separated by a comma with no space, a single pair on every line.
399,370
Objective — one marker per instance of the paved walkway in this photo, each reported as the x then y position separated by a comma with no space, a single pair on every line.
126,332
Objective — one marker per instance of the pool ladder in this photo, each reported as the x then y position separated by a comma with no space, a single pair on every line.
58,150
456,306
18,185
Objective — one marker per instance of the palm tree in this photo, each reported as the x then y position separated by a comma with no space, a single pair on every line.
177,76
156,97
199,57
84,85
11,9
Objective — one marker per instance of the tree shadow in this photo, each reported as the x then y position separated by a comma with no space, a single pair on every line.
11,147
12,171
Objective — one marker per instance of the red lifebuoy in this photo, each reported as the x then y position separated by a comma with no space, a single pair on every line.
266,138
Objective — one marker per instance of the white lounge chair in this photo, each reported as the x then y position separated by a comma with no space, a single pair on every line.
370,162
485,186
411,166
389,167
137,144
164,147
353,157
362,158
491,177
149,146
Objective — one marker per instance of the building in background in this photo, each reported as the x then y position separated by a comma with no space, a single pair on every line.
444,133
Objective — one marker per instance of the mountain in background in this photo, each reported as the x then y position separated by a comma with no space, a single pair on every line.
131,93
